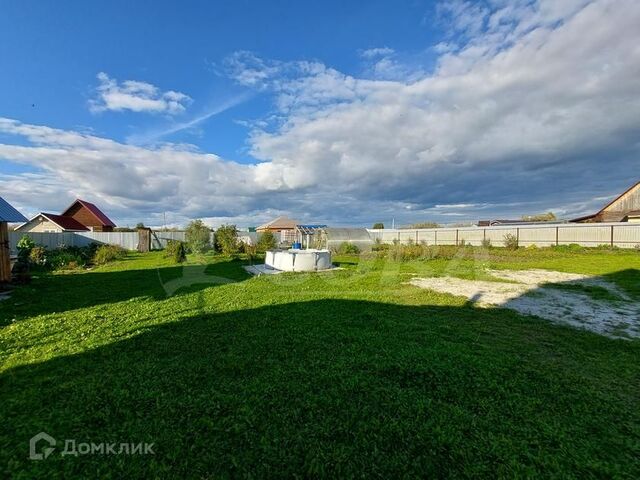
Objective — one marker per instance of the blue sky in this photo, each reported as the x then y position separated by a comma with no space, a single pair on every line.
344,112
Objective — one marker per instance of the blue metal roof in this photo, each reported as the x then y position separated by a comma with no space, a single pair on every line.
9,214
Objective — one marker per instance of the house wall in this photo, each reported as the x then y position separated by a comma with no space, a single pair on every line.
39,225
85,217
628,202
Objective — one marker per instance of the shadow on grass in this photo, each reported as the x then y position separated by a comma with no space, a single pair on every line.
51,293
335,388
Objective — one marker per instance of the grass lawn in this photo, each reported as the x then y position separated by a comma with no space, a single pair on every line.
340,374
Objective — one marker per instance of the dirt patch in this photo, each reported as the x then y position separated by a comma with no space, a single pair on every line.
539,293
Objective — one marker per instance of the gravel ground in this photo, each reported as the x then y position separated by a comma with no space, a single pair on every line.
527,293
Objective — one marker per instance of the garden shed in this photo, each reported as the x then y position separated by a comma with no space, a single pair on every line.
7,214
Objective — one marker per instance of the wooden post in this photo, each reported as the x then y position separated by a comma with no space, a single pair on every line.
557,229
144,240
5,262
611,236
416,237
456,236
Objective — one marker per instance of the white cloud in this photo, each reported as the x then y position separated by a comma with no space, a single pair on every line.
536,109
136,96
377,52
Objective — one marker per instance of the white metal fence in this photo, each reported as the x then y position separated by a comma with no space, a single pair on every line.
127,240
623,235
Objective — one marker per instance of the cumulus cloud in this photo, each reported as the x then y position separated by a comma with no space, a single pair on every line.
531,105
136,96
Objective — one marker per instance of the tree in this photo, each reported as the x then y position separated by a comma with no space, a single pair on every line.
267,241
140,225
424,225
378,226
540,217
227,239
197,236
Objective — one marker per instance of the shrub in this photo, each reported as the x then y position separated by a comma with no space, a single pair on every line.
38,256
63,259
176,251
266,241
378,226
197,236
227,239
108,253
24,246
347,248
511,241
486,243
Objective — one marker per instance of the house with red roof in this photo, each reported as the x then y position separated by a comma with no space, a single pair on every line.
80,216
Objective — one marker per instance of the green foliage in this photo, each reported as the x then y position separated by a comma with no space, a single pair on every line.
226,239
140,225
378,226
197,236
38,256
541,217
108,253
24,247
510,241
486,243
266,241
425,225
176,251
347,248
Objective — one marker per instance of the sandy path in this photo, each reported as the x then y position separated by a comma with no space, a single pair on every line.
528,295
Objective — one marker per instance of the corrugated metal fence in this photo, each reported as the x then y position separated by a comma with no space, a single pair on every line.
623,235
128,240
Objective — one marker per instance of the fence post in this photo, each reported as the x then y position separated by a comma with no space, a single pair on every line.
611,236
435,237
557,230
416,237
456,237
518,236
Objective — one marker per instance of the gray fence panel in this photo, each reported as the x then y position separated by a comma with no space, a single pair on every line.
622,235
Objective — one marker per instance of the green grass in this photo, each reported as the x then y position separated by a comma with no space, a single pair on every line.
339,374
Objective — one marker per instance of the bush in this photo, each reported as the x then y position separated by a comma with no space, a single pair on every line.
63,259
38,256
347,248
24,246
486,243
378,226
266,241
511,241
108,253
227,239
176,250
197,236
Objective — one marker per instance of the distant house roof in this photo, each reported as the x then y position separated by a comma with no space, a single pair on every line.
611,216
9,214
102,218
280,223
65,223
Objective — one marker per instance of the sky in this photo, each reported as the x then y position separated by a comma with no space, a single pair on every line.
345,113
